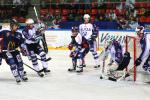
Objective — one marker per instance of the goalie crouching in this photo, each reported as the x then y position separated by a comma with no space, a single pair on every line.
79,48
119,57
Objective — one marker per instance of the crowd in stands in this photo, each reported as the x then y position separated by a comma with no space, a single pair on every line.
126,13
17,9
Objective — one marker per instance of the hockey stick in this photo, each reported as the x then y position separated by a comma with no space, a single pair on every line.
114,78
38,72
43,40
48,59
30,67
36,14
44,44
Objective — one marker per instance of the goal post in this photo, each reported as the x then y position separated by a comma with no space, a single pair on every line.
131,47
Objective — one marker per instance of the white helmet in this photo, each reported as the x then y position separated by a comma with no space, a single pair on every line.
29,21
86,16
139,29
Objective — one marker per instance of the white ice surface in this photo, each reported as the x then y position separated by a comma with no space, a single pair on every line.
62,85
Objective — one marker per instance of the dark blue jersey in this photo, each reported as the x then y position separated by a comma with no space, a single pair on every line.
10,40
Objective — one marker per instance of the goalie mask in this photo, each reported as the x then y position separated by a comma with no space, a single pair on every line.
140,31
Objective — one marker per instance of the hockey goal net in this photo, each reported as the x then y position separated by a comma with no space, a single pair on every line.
132,45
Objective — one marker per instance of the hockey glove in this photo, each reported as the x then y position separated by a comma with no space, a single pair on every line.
138,62
70,47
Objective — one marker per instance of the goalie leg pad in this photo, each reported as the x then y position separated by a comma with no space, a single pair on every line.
125,61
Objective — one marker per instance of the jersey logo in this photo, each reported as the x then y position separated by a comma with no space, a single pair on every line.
11,45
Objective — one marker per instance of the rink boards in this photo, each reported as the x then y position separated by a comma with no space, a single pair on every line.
59,39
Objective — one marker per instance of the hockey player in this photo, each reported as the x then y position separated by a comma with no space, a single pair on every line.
11,40
32,38
81,48
90,33
115,49
41,27
144,42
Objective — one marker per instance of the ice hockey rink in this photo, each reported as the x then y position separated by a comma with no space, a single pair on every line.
63,85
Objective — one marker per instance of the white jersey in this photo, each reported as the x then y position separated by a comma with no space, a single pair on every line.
30,35
110,49
86,30
145,46
78,39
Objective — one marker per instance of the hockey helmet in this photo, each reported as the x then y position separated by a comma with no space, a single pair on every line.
29,21
139,29
14,22
74,29
115,41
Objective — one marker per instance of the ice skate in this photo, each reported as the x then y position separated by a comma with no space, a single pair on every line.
97,66
79,70
40,73
46,71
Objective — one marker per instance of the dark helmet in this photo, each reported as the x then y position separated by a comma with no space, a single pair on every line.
115,41
74,29
13,22
96,28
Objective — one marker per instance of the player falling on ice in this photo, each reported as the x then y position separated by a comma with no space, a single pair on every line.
32,38
89,32
145,47
79,48
116,51
11,40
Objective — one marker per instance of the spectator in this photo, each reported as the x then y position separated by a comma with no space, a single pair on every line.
129,4
133,23
112,15
122,23
55,24
16,2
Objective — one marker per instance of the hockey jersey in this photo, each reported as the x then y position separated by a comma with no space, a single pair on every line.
86,30
145,46
30,35
78,42
10,40
116,52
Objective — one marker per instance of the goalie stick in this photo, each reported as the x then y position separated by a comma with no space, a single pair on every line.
43,35
122,67
44,43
